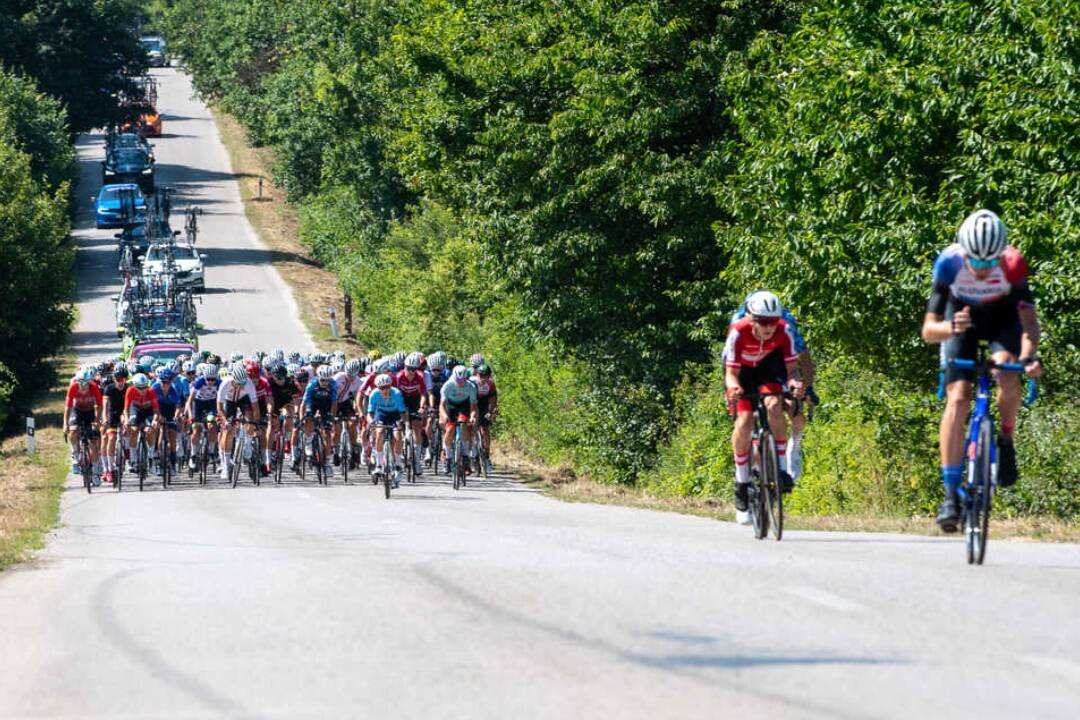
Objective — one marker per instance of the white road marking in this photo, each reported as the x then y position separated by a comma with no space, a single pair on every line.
825,599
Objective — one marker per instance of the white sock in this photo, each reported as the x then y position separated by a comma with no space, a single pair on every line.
378,457
742,468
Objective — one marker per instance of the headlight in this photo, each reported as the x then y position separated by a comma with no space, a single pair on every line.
148,170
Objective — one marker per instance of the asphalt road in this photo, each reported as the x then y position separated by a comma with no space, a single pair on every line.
298,601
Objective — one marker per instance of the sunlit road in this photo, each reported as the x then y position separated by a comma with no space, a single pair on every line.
299,601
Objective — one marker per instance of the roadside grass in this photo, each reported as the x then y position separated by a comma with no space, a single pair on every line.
562,484
30,486
277,224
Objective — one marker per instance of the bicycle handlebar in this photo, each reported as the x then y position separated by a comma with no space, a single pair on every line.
964,364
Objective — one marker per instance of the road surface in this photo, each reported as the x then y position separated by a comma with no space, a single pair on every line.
298,601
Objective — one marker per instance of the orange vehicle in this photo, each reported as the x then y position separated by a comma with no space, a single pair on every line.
145,119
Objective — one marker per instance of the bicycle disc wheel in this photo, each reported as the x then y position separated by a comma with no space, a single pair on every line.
982,491
774,496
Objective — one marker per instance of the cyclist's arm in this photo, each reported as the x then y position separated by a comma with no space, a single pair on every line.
806,367
1032,333
731,380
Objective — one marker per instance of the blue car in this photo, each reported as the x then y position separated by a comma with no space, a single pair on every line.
120,205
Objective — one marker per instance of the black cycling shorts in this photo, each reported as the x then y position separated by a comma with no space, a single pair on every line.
999,325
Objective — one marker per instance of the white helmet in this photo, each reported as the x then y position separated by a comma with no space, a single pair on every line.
982,235
352,368
383,380
239,373
325,372
764,304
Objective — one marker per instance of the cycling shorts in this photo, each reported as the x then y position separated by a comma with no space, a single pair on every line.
387,417
263,409
346,409
85,420
453,410
483,404
240,406
323,408
998,325
202,408
412,405
168,412
770,376
141,416
114,419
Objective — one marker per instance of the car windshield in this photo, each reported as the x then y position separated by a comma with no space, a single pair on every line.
130,156
151,44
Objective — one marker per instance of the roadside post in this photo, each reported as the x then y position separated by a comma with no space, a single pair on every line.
333,322
31,441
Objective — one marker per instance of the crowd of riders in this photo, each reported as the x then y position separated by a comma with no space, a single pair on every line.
291,395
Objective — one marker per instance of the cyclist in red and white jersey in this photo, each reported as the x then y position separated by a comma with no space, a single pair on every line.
410,381
347,383
760,356
83,409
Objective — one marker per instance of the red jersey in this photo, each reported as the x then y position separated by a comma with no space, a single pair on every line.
743,349
369,384
485,387
140,399
410,388
262,388
81,399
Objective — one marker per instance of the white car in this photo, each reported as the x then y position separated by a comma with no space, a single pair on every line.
189,264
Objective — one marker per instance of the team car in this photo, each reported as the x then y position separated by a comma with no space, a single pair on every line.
120,205
129,165
188,262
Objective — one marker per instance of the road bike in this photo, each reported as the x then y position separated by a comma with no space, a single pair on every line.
344,446
435,442
86,463
164,453
977,489
389,466
318,452
765,496
202,450
457,460
119,462
277,446
142,455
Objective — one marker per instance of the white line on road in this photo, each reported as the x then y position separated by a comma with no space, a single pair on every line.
825,599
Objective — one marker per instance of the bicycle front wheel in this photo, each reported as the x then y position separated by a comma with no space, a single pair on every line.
774,498
980,489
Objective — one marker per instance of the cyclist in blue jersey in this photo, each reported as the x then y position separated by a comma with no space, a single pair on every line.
320,398
458,398
169,400
810,398
980,292
386,406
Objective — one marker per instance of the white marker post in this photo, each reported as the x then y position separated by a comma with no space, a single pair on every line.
333,322
31,443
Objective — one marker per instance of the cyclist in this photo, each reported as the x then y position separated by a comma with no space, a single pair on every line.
458,398
111,416
348,383
82,409
168,400
980,292
487,407
236,396
434,377
474,363
413,387
752,365
283,393
806,368
386,406
201,406
141,408
320,398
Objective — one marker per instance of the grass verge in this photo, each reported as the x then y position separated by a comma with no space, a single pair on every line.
30,486
278,225
562,484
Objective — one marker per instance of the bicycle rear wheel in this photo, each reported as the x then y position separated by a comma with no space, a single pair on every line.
85,465
774,499
279,456
980,491
758,493
345,451
237,455
164,461
118,464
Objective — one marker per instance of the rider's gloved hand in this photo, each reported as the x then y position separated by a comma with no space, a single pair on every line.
812,396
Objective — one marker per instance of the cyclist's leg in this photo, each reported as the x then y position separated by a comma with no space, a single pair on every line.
958,385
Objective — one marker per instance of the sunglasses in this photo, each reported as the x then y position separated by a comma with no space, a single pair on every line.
765,321
983,264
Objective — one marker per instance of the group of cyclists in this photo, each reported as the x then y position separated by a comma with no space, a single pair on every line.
292,396
980,294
